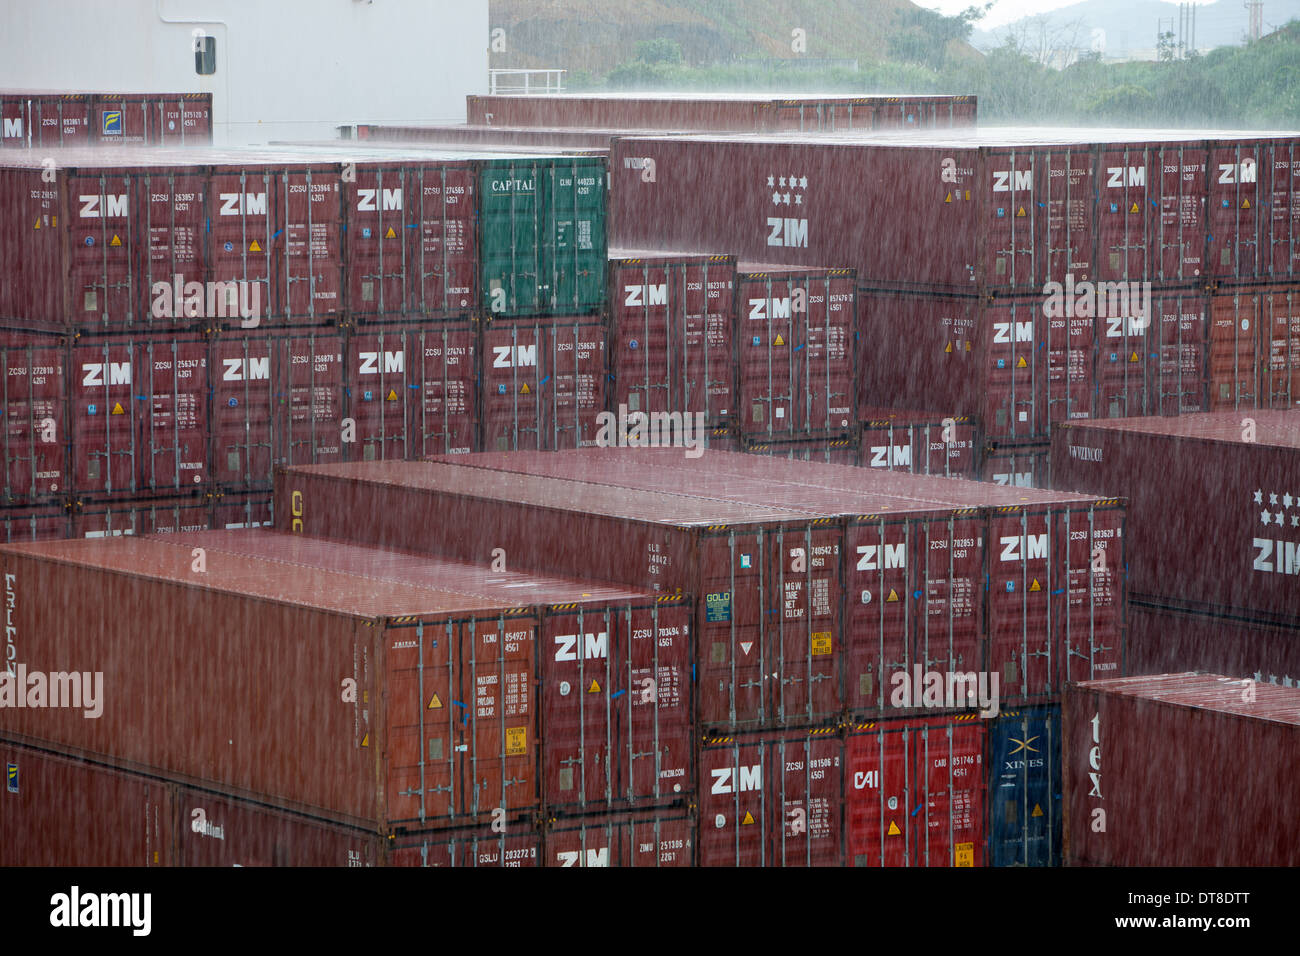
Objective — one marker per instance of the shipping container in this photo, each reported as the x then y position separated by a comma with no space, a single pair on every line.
1024,787
412,389
663,838
278,398
914,792
670,334
491,137
1140,753
1163,639
1254,348
542,235
740,112
795,335
47,119
518,845
35,406
241,510
369,729
919,442
996,211
542,382
34,524
772,799
63,810
111,519
834,451
1021,466
1213,514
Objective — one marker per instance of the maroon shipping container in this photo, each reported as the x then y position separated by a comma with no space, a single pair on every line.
412,390
248,510
411,239
493,137
737,112
998,211
34,524
278,399
48,119
372,728
61,810
921,443
139,411
1162,640
111,519
1138,753
665,838
795,335
542,382
914,792
1254,348
833,451
518,845
34,403
670,333
772,800
1214,517
1021,466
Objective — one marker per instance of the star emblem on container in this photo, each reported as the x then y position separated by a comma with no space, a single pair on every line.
1264,517
1259,497
1272,499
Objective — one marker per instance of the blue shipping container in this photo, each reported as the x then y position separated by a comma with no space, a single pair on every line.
1024,793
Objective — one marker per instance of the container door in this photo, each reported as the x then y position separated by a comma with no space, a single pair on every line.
1178,236
805,630
1020,582
655,735
245,409
807,807
950,768
174,444
879,612
424,724
878,787
734,805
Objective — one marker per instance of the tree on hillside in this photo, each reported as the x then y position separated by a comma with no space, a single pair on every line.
922,36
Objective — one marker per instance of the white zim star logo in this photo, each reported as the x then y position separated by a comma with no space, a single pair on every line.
1268,516
781,187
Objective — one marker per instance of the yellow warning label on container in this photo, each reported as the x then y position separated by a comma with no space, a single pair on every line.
893,829
117,409
54,222
1020,214
821,642
893,596
392,395
968,345
1135,208
525,390
968,194
115,241
516,741
435,702
1035,586
964,854
1133,357
948,198
390,234
365,741
38,224
594,688
254,247
1038,811
749,818
778,340
1245,204
1021,363
948,347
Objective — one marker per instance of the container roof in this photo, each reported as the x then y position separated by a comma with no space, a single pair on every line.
1226,695
1272,427
988,137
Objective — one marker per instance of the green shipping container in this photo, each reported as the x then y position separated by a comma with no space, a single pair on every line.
542,235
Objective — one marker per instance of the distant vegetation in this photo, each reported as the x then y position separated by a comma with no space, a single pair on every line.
1230,87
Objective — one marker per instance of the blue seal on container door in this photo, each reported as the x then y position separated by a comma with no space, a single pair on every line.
368,395
90,240
232,402
365,232
230,247
91,410
632,344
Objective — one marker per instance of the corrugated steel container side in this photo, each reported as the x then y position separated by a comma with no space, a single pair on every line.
1024,788
185,119
34,524
771,800
833,451
278,399
109,119
1163,640
412,389
35,404
542,382
795,339
914,792
670,334
411,239
1020,466
663,838
1237,549
247,510
61,119
922,443
111,519
1254,348
1139,755
518,845
139,409
542,235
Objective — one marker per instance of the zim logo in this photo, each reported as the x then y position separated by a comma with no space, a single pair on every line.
13,126
574,857
119,373
595,645
1118,327
1033,547
1024,331
393,362
870,560
112,206
1116,176
391,199
745,778
239,369
1013,180
795,234
1287,556
886,456
780,308
236,204
518,356
1242,172
646,294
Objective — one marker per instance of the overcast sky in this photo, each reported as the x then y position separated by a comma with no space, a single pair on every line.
1004,11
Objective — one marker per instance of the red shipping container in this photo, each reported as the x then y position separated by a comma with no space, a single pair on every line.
34,404
795,335
62,119
278,399
34,524
1255,348
502,138
411,241
73,119
1131,803
1214,520
152,516
412,390
915,792
834,451
519,846
248,510
1020,466
922,443
542,381
139,411
665,838
772,800
670,332
186,119
1163,640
